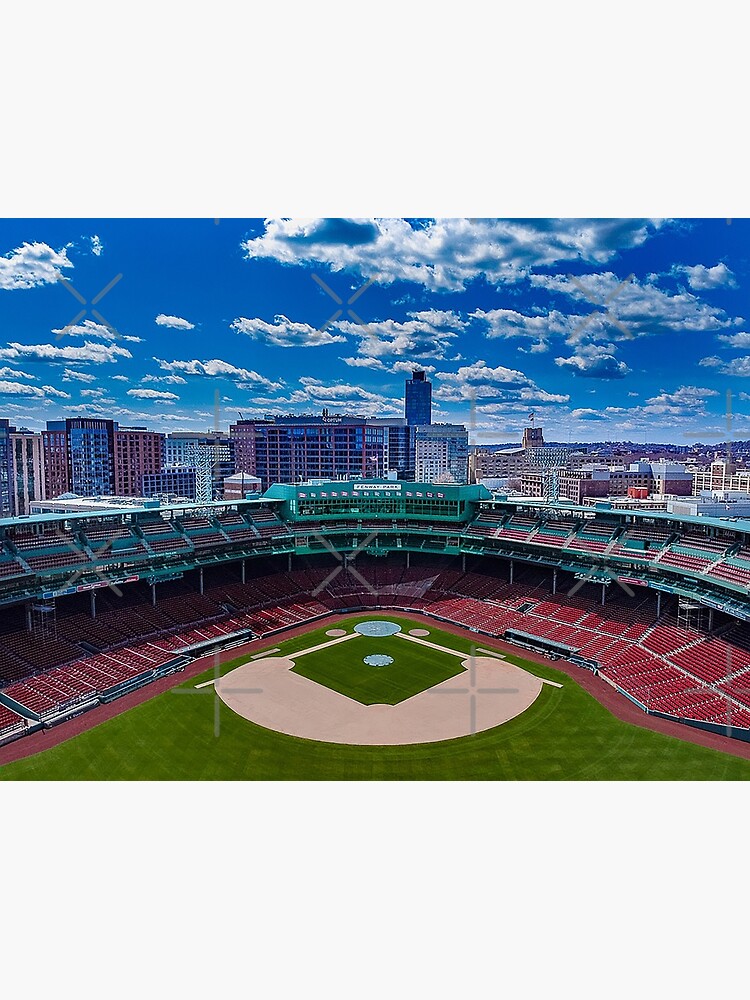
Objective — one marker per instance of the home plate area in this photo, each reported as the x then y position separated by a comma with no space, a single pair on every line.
297,695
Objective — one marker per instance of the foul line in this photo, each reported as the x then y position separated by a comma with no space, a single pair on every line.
323,645
467,656
433,645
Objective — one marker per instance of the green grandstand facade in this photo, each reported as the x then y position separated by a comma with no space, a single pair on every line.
378,498
53,555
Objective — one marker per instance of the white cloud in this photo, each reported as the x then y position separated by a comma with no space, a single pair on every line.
739,367
426,334
688,400
445,254
92,393
363,362
58,393
14,373
91,329
397,367
216,368
349,396
69,375
479,380
623,309
23,389
174,322
736,340
96,246
95,353
32,264
586,413
120,378
407,367
284,333
595,361
151,394
508,324
166,379
700,278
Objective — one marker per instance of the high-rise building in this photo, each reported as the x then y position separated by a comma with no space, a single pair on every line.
5,464
441,453
27,476
138,453
79,455
398,456
55,445
418,399
292,449
242,434
179,482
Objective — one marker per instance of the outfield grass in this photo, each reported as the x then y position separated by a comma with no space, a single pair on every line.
342,668
565,734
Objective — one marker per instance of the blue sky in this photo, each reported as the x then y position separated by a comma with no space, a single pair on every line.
629,328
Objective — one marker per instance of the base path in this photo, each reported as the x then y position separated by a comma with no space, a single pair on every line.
614,703
267,693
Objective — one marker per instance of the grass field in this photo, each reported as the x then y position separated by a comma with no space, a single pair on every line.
565,734
342,668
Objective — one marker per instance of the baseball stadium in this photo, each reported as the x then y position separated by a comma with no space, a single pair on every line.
374,629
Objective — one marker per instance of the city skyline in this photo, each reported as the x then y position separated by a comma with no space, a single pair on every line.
575,321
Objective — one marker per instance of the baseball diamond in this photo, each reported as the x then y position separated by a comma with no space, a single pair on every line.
644,614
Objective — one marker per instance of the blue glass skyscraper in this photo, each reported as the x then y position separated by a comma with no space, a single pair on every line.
418,399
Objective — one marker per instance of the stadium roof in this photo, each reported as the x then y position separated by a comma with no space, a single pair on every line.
15,522
539,503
